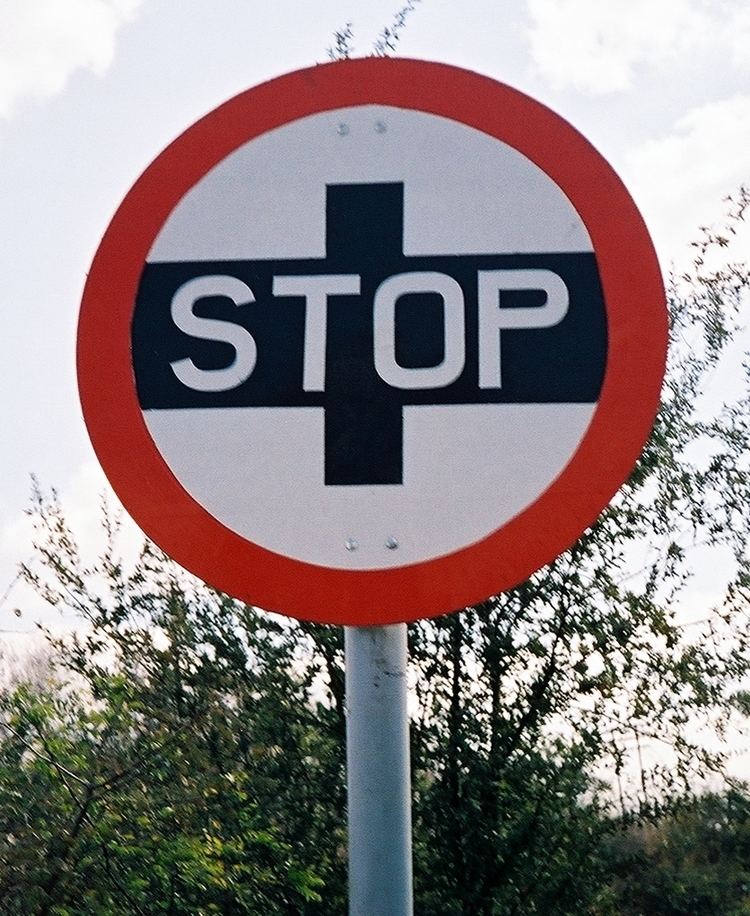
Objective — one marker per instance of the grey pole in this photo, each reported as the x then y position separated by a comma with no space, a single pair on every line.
378,771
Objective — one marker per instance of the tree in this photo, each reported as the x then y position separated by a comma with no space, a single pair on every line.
383,46
577,668
179,764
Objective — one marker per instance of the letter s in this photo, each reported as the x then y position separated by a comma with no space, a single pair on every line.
245,348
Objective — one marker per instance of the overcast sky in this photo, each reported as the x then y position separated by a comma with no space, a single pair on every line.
92,90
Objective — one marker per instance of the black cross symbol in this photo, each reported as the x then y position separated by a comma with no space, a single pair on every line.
364,415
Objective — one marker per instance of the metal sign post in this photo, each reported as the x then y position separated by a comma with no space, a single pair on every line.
378,771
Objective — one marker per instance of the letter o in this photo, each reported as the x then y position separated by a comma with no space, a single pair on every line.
384,330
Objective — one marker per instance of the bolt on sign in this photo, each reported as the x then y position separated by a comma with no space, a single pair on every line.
372,341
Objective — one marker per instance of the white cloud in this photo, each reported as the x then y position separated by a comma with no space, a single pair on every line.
42,42
597,47
680,179
738,33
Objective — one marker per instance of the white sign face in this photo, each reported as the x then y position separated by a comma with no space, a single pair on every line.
359,339
426,189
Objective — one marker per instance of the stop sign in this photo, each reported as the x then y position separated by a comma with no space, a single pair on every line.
372,341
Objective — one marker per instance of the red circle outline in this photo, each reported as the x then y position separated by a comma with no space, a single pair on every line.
637,327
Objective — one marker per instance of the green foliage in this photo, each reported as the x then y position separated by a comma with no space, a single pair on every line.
694,863
389,37
179,764
342,48
383,46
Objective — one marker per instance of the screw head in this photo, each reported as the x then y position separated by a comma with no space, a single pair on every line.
380,127
342,130
351,544
391,543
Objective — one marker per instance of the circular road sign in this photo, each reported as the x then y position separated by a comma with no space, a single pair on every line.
372,341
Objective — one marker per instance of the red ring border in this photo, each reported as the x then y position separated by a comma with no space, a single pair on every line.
637,331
